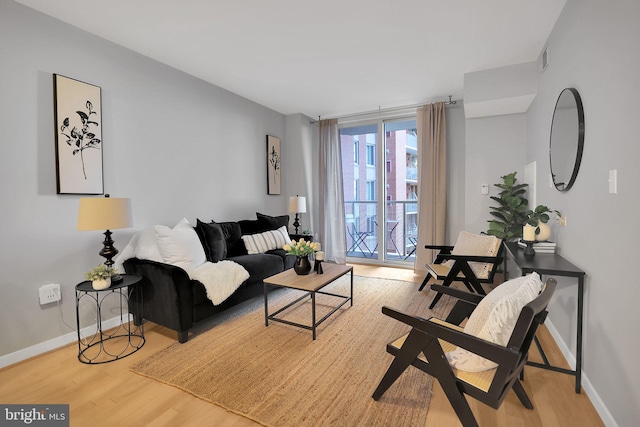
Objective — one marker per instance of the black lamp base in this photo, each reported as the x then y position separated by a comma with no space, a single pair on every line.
108,252
296,223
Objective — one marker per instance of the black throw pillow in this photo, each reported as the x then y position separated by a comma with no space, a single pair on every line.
250,226
213,240
233,236
272,222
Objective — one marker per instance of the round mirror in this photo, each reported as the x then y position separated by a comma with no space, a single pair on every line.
567,139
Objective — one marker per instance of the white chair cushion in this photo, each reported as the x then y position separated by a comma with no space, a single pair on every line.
479,245
495,318
267,241
180,246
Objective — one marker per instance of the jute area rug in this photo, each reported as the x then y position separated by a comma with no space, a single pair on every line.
278,376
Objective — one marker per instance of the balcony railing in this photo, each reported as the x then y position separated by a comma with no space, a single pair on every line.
400,231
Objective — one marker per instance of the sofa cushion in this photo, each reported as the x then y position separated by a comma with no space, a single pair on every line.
180,246
233,237
289,260
272,222
213,240
260,266
251,226
269,240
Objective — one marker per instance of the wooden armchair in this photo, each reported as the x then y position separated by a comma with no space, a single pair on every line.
430,344
473,261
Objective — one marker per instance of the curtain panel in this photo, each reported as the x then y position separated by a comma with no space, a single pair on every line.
432,178
332,222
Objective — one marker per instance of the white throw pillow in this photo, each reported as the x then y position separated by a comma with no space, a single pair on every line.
479,245
180,246
495,318
267,241
147,246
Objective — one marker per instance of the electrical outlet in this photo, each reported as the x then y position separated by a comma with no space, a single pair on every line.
49,293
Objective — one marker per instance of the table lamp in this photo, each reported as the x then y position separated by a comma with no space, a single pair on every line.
105,213
298,205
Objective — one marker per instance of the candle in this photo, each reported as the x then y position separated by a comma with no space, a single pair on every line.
529,233
320,256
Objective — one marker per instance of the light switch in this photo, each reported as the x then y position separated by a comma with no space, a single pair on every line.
484,189
613,181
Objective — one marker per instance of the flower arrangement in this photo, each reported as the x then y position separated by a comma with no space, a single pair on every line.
301,247
100,272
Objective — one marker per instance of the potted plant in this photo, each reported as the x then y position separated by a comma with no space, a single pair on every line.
301,249
100,276
511,213
538,218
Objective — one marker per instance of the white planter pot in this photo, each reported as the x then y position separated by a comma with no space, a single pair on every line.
545,232
101,284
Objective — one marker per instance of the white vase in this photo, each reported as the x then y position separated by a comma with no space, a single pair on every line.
545,232
101,284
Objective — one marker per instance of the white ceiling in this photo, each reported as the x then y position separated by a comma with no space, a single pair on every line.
329,57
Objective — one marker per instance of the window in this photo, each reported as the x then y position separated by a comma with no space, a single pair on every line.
356,189
371,155
371,190
356,152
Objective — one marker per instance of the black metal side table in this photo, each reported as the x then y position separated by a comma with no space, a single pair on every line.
100,346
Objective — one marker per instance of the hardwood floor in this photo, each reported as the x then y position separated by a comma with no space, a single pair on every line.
109,394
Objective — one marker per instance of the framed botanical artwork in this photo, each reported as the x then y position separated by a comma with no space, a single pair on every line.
78,120
273,165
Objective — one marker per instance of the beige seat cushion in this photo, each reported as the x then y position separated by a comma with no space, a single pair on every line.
480,380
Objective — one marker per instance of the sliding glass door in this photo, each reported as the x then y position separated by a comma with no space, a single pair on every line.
381,220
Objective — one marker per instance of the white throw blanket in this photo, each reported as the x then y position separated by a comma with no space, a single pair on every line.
220,279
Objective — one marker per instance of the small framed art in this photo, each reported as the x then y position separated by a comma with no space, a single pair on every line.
78,121
274,165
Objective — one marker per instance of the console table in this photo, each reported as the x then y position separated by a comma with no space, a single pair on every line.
552,265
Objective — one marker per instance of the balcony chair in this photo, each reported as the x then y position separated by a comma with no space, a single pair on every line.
473,260
485,359
359,239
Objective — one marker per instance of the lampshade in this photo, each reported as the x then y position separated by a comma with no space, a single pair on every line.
297,204
104,213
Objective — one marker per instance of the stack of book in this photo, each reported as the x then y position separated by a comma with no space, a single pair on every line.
546,247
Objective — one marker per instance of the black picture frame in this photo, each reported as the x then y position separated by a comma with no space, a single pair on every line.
77,110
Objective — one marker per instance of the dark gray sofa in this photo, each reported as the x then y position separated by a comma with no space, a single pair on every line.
173,300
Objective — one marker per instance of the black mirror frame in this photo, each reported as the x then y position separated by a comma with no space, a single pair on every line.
580,148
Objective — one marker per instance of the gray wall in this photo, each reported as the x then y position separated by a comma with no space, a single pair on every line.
302,168
494,148
594,47
177,146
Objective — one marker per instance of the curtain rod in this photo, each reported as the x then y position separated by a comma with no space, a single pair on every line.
383,110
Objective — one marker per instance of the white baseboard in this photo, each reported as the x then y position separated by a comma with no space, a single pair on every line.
597,402
53,344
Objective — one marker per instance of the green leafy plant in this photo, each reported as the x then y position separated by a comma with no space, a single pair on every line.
301,247
511,212
100,272
540,214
